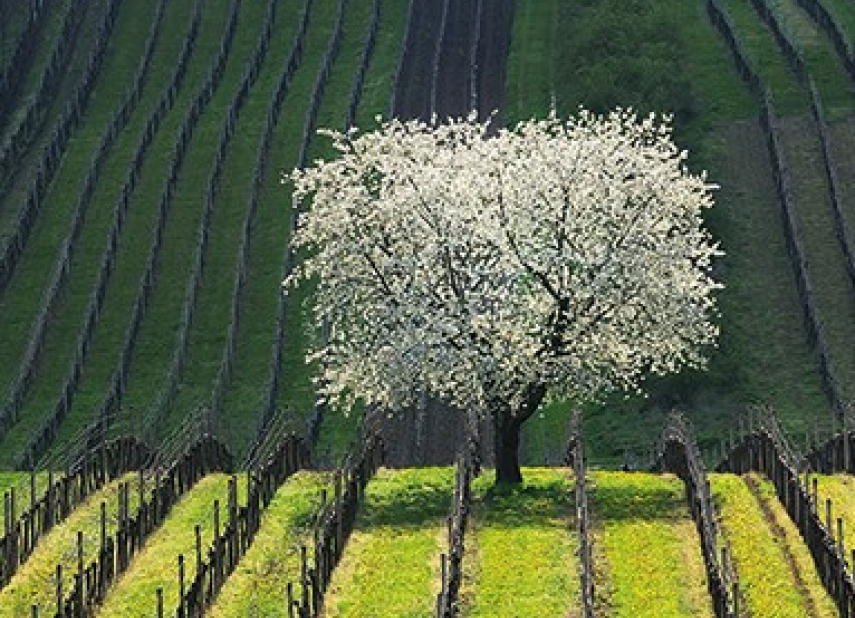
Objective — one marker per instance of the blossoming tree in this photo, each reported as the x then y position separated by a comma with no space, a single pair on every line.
560,259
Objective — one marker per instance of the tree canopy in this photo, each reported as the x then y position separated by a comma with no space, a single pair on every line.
563,258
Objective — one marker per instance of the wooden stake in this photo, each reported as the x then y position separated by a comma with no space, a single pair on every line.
160,603
181,585
59,597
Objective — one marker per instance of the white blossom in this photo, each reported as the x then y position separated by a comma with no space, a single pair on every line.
470,264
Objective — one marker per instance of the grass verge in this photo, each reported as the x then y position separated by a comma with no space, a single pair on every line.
777,575
650,544
520,549
391,565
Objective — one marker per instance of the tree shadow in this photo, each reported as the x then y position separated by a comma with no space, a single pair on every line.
416,503
637,499
529,503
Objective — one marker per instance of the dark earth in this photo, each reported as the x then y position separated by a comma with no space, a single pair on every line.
455,62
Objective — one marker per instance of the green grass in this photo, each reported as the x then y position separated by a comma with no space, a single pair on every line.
761,554
34,583
760,301
765,56
159,331
645,530
823,63
377,88
134,243
15,18
531,71
520,548
839,489
23,299
71,71
211,320
832,286
337,430
51,28
843,13
256,587
134,595
20,482
391,564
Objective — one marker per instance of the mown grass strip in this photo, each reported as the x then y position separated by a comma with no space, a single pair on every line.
134,595
531,59
377,88
20,482
843,13
391,564
651,545
822,61
763,52
832,286
256,588
520,555
34,583
777,575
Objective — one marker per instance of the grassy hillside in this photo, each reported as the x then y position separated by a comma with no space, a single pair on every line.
668,56
255,588
188,352
157,565
34,583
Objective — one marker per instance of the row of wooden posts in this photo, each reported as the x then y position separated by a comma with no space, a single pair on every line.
767,451
91,582
334,524
678,453
575,458
241,526
451,562
21,532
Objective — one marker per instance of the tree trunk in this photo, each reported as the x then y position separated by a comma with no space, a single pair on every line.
506,446
506,425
